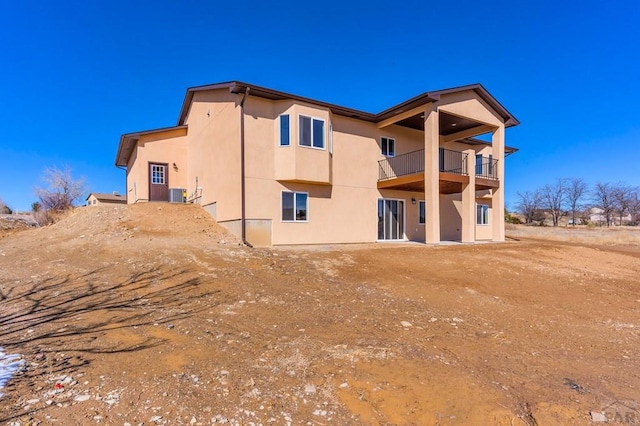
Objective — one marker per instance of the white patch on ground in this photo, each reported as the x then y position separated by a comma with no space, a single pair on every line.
8,365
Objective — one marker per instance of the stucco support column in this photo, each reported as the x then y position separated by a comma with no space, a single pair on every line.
497,202
469,200
431,175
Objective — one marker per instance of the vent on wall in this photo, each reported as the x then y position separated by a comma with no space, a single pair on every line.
176,195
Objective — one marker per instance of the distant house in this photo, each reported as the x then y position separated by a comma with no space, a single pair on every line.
95,199
597,216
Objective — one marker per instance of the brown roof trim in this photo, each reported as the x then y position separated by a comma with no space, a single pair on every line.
509,119
274,95
424,98
129,140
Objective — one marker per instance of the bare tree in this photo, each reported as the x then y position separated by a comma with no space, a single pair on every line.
575,192
604,200
585,215
553,199
62,190
529,205
4,208
634,208
622,199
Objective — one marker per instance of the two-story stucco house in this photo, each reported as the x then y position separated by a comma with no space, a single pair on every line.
277,168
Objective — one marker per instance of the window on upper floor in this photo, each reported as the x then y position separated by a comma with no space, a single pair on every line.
311,132
484,165
388,146
285,130
482,214
295,206
479,164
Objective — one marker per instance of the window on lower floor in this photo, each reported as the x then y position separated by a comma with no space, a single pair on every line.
388,146
421,212
295,206
482,214
311,132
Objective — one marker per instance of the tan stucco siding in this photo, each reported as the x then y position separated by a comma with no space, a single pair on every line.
298,163
344,211
260,138
451,217
485,232
356,147
484,150
156,148
341,214
468,104
214,151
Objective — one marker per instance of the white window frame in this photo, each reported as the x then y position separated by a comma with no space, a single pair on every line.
280,130
421,202
159,173
330,139
324,136
482,216
382,146
295,194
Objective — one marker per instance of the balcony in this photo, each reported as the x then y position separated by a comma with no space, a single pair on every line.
486,168
406,172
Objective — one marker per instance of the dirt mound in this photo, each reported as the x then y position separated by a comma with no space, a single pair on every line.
119,222
154,314
15,222
129,228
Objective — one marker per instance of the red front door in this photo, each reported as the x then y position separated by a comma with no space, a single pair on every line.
158,182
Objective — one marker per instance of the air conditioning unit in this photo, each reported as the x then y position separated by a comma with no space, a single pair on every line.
176,195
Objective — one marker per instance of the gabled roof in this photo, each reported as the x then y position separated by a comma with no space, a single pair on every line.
509,119
129,140
424,98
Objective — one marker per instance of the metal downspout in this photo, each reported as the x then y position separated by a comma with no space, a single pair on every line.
243,221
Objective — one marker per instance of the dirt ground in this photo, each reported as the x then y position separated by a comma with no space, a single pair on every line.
152,314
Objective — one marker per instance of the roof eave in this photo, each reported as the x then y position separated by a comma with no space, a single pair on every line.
422,99
509,119
122,157
120,161
264,92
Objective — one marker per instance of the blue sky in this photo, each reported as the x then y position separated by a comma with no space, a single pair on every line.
76,75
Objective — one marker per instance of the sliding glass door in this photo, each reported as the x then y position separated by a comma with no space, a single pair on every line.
390,219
